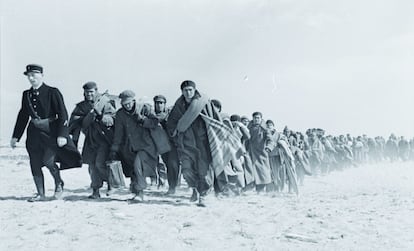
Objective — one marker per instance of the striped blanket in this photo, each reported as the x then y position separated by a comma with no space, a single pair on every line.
224,146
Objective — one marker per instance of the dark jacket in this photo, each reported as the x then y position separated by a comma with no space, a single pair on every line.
46,103
97,134
132,134
188,143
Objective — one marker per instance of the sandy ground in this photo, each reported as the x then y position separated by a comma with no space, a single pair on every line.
366,208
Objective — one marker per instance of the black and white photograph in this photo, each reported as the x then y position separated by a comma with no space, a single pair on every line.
206,125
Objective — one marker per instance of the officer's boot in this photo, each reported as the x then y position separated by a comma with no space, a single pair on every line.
40,187
95,194
58,181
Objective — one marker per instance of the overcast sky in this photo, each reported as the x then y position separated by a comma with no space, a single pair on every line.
346,66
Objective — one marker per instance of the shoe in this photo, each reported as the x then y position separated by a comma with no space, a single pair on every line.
139,196
110,191
58,191
95,194
201,201
194,196
170,191
36,198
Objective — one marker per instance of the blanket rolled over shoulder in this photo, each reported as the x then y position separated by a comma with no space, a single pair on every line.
193,111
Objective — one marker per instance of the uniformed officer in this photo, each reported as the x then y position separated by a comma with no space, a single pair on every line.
47,130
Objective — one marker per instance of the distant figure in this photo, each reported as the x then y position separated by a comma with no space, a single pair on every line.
277,172
47,133
95,117
391,148
244,120
243,133
404,149
259,143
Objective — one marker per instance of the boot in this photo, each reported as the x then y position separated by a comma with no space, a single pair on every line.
58,190
201,201
40,187
138,196
110,191
260,188
54,171
194,196
171,191
95,194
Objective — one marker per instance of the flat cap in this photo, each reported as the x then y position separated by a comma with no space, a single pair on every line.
235,117
90,85
127,94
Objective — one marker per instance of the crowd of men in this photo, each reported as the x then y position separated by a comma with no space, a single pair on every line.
192,138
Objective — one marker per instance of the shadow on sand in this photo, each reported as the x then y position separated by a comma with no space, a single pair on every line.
25,198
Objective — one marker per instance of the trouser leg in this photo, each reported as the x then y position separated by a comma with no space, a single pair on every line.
282,176
139,180
96,181
36,169
171,161
40,185
188,171
98,170
220,182
205,177
49,162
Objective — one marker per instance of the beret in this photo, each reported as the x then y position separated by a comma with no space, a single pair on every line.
187,83
90,85
235,117
126,94
160,98
257,113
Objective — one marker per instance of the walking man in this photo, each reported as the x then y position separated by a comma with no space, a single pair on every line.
95,116
188,128
170,158
132,137
47,133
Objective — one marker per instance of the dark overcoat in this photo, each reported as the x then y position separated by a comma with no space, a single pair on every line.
132,135
46,102
97,134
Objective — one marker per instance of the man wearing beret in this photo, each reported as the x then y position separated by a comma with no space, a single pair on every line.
94,116
188,128
47,133
169,158
132,134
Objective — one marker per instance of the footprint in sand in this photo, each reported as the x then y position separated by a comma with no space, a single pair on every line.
54,231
